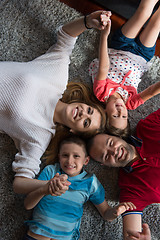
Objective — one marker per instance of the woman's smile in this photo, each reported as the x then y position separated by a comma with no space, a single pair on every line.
75,113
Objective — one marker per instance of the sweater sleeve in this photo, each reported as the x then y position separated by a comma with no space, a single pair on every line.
61,49
27,160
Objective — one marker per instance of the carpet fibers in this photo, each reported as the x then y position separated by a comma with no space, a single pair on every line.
27,30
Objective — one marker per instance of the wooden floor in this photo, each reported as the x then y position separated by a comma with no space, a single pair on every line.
88,6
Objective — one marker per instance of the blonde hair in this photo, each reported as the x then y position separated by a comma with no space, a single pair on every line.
76,92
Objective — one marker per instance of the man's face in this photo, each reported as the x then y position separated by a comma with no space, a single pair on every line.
111,151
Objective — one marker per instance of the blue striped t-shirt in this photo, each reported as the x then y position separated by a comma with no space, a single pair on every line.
60,217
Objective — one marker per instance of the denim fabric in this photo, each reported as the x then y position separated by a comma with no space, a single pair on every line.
133,45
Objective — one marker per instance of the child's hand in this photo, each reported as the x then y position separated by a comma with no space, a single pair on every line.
114,212
98,19
106,22
107,28
58,184
122,207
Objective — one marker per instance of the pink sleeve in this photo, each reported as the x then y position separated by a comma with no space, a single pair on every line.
100,89
134,101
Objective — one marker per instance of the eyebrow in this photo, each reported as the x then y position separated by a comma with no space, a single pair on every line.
107,140
103,154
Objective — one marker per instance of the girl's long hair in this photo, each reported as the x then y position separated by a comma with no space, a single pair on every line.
122,133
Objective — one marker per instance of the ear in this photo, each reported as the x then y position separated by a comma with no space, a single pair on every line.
87,160
72,131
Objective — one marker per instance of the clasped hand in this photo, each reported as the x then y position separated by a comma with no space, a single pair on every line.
99,20
58,185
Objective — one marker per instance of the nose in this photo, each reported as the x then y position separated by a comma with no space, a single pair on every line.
80,113
83,113
112,151
119,112
70,159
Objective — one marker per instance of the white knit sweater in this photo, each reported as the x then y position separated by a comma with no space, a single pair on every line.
28,96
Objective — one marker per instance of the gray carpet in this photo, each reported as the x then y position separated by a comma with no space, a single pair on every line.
27,30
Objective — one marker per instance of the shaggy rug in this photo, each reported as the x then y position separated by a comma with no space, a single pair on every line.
27,30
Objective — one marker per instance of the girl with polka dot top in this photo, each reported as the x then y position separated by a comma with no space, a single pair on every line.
118,71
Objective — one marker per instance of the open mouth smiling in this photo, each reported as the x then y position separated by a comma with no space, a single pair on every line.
69,167
120,154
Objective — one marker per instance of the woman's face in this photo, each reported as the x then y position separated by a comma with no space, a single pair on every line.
81,117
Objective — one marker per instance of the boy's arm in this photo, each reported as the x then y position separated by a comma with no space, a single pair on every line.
77,26
131,222
110,213
55,187
150,92
103,53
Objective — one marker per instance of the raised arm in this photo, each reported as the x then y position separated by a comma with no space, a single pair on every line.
77,26
103,50
150,92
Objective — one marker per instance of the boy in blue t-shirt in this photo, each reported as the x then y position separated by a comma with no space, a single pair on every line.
59,217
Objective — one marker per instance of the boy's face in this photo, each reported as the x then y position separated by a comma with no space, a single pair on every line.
72,158
117,113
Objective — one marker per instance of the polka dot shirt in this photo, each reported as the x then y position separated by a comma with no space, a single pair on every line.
121,63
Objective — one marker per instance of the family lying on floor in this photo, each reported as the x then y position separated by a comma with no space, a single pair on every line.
83,123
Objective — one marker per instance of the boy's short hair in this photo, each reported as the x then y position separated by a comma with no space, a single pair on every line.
74,139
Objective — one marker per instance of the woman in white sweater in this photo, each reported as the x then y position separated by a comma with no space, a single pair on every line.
30,107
